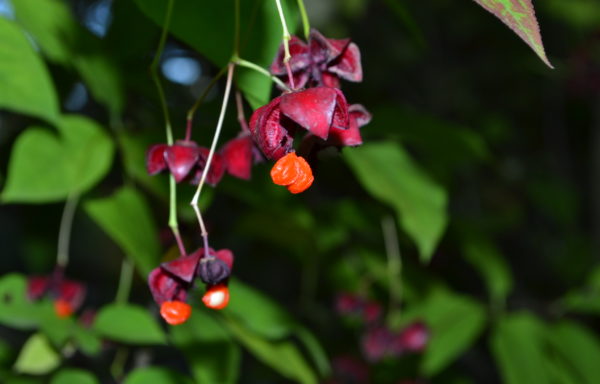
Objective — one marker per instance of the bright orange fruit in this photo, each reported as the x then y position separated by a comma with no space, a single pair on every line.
175,312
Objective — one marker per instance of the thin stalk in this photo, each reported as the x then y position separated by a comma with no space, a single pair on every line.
118,365
304,16
194,108
213,146
64,231
173,224
286,44
154,70
392,247
259,69
240,111
125,280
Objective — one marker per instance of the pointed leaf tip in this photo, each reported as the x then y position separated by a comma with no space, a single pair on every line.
519,16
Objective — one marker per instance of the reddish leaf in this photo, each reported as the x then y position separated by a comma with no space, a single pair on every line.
238,156
155,159
519,15
312,109
164,287
216,171
272,133
181,158
184,267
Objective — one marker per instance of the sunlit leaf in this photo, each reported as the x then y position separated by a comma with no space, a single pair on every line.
389,174
37,356
126,218
212,355
516,344
16,310
63,40
579,348
156,375
128,324
257,311
73,376
193,21
26,84
492,266
45,167
282,356
455,323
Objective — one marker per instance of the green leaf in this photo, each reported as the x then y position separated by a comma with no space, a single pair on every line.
579,349
128,324
389,174
516,344
51,25
192,21
65,41
455,323
103,79
284,356
315,350
87,341
127,219
455,146
581,14
57,329
258,312
133,149
16,310
45,167
26,84
519,16
208,348
73,376
494,270
156,375
585,300
37,356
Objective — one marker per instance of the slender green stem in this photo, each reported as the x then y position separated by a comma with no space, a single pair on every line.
125,280
213,146
194,108
259,69
154,70
118,365
304,16
64,232
286,43
173,224
286,32
390,237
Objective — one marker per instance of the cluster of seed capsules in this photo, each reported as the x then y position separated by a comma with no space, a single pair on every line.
378,341
313,104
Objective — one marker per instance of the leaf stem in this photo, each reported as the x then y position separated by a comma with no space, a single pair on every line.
154,72
213,146
392,247
240,111
259,69
194,108
125,280
64,231
304,16
173,224
286,44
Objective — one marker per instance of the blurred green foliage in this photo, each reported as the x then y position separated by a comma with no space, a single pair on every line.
487,160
